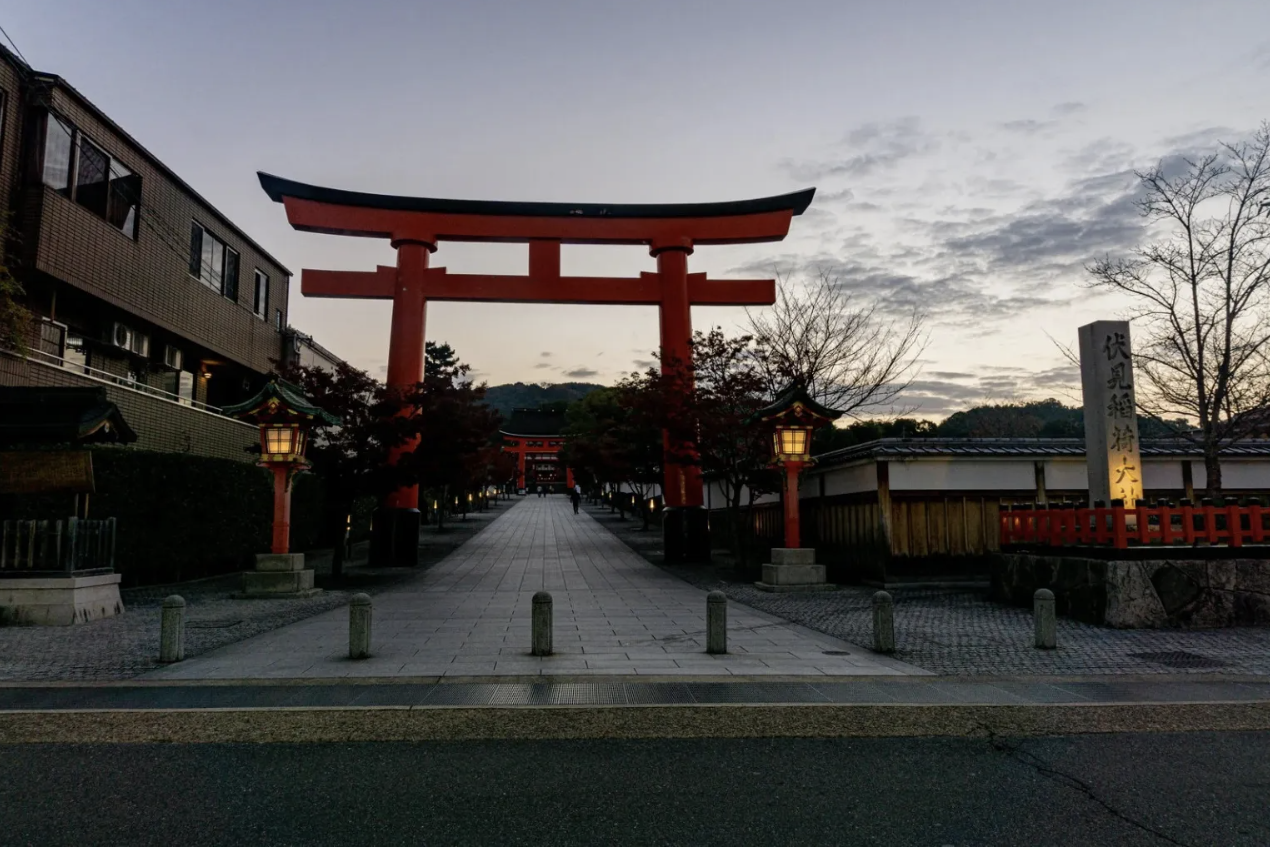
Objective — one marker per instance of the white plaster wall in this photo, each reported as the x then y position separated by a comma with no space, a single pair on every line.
1162,474
1066,474
860,477
1237,474
963,474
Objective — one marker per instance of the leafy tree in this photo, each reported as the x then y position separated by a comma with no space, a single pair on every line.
454,428
443,410
351,457
706,409
614,436
15,318
1201,294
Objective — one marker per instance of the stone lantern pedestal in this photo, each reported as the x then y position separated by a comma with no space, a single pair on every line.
793,570
278,576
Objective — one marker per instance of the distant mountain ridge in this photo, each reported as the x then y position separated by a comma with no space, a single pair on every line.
505,397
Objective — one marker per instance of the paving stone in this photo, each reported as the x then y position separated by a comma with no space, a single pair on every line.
616,613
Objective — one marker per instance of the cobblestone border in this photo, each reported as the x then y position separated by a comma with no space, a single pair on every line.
960,632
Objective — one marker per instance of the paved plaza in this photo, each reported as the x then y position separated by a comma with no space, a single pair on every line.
469,615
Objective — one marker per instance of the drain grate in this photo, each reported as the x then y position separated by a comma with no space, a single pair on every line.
1177,659
211,624
834,652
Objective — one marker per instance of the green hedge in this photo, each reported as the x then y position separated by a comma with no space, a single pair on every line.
181,517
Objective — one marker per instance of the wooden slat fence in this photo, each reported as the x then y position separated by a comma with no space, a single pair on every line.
69,545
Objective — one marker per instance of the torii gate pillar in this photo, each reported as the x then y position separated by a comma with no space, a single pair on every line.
395,524
416,225
685,520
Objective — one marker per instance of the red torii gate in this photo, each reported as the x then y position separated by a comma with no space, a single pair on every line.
415,226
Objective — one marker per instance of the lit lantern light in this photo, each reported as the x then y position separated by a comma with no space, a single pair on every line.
284,417
652,504
792,417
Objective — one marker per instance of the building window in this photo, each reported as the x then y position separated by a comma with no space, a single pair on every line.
213,262
101,184
76,354
262,294
58,143
277,320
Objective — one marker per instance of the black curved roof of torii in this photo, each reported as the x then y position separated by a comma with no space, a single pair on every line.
277,188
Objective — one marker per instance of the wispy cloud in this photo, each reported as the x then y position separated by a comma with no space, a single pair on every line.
581,373
868,149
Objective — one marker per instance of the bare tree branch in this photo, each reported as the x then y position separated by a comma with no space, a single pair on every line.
1202,323
848,354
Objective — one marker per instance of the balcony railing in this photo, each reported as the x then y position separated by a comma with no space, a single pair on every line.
1120,528
63,546
117,380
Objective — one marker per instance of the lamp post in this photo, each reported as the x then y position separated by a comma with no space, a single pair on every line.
284,417
282,444
792,417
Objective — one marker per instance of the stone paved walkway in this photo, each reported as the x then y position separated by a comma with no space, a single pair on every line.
470,616
128,645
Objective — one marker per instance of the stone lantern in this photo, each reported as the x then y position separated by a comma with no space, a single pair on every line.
792,417
284,417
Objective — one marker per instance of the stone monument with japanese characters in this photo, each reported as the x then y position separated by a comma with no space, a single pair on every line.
1111,419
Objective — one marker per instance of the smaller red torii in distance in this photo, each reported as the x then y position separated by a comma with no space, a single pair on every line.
415,226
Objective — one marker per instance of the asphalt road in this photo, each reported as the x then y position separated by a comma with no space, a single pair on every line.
1155,789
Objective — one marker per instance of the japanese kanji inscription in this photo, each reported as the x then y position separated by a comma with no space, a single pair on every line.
1111,422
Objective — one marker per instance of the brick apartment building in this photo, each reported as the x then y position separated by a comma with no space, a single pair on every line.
137,282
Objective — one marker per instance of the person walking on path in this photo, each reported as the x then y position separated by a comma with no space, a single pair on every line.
539,491
576,497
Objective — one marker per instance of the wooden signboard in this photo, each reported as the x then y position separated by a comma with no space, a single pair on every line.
39,473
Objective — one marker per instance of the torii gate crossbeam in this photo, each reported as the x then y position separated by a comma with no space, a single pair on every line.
415,226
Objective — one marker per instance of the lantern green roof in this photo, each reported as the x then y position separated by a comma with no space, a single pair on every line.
286,393
796,393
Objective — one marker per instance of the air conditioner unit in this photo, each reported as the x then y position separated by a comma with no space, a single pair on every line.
121,336
173,357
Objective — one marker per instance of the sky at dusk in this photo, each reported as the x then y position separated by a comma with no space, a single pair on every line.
969,157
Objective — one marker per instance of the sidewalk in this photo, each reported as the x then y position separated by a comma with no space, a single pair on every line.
614,614
127,645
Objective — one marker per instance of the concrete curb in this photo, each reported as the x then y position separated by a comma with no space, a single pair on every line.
284,725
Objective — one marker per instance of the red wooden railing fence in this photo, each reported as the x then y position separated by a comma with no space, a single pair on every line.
1120,528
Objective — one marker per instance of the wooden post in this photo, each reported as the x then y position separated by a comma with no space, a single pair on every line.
884,502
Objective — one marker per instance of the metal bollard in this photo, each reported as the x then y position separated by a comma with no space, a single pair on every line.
172,630
359,626
1046,621
883,622
542,623
717,622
